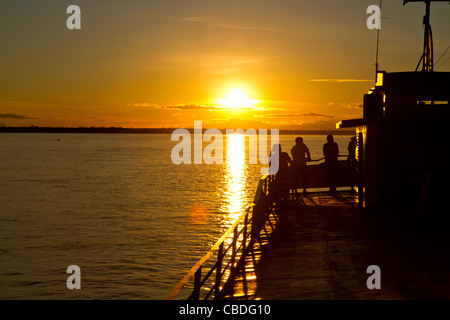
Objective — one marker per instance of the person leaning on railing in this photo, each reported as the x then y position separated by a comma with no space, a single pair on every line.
282,183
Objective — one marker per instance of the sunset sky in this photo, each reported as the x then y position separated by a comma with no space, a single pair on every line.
288,64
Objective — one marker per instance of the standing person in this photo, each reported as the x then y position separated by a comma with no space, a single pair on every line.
351,162
331,153
300,155
282,177
352,151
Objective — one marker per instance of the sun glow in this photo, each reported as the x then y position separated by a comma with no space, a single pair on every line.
237,99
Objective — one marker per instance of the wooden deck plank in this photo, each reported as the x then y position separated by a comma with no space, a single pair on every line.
321,249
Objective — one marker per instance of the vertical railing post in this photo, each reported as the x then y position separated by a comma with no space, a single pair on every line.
244,234
218,272
234,245
266,194
197,281
233,253
360,155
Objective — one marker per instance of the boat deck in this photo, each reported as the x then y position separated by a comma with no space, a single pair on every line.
321,248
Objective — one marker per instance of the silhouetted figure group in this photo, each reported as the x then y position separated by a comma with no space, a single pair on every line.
293,173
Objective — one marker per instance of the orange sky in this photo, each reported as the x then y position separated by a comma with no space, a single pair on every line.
167,63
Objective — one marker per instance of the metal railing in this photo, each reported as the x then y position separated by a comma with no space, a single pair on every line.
323,158
230,258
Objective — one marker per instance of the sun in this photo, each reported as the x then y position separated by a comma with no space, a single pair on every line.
237,99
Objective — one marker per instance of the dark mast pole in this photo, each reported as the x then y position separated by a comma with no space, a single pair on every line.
428,40
378,41
427,55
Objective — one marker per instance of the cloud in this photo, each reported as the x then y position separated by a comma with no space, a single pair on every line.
354,105
340,80
176,107
143,104
309,114
194,106
314,114
15,116
189,107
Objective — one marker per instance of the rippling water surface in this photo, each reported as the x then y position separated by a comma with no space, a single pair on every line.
116,206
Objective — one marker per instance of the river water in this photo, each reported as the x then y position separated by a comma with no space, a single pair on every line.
116,206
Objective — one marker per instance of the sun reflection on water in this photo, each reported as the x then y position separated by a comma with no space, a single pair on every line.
236,196
235,177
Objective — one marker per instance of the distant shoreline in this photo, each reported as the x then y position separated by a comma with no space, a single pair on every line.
118,130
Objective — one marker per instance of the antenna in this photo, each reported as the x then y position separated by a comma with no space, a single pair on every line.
427,55
441,57
378,41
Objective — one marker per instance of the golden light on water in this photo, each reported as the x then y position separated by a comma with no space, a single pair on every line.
235,176
198,214
236,197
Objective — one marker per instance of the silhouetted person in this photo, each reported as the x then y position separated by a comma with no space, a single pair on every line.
331,152
283,176
351,161
300,155
352,150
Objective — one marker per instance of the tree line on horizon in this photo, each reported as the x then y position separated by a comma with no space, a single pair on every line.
37,129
